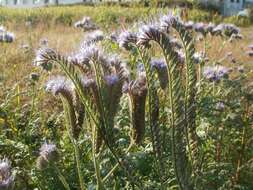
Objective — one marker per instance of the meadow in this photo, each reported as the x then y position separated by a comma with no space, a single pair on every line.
110,97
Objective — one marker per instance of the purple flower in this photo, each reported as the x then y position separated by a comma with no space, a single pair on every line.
127,39
93,37
189,25
43,56
161,67
198,57
60,85
200,28
217,30
220,106
86,24
147,33
111,79
215,73
168,21
6,178
251,47
48,154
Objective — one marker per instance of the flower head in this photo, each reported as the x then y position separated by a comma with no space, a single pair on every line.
6,178
60,85
43,58
189,25
200,28
126,40
168,21
147,33
94,37
48,154
161,68
86,24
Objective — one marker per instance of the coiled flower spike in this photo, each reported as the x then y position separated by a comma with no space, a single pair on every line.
59,85
127,39
137,91
162,70
48,154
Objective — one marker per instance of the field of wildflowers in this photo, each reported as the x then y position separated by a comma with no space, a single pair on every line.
132,102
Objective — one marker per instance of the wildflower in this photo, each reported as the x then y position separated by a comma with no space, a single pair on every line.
43,58
251,47
60,85
127,39
7,37
189,25
147,33
6,178
175,43
114,37
181,56
230,29
216,73
94,37
209,28
169,21
200,28
48,154
161,67
86,24
137,91
111,79
217,30
198,57
220,106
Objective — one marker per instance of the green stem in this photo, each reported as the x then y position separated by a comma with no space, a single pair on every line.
62,178
95,160
117,165
73,141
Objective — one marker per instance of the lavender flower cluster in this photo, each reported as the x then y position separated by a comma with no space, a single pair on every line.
86,24
6,177
48,154
226,30
216,73
6,36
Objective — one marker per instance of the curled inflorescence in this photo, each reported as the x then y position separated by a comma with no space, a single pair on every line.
48,154
127,40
